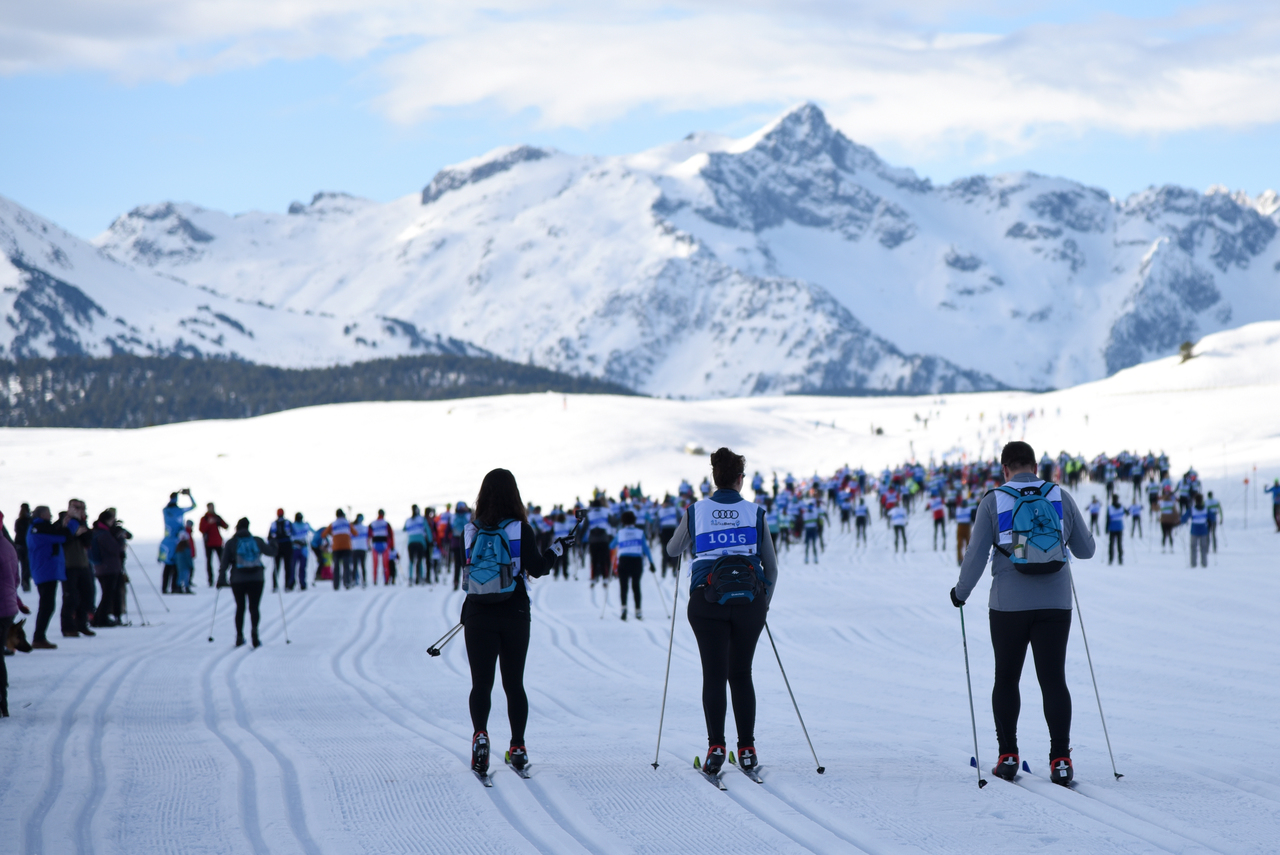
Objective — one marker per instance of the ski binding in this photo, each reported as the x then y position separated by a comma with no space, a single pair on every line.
485,779
715,780
523,773
753,774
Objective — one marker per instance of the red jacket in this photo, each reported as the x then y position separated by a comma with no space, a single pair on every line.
209,525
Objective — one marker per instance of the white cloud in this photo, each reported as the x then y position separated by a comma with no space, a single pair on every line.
915,82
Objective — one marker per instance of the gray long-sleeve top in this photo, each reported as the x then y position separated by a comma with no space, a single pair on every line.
1012,591
680,540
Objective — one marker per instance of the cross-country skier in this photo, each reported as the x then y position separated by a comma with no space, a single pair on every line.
1135,514
379,534
898,519
723,533
1274,490
632,549
939,511
209,525
415,528
300,532
1115,529
339,534
1169,519
496,623
1215,516
860,516
599,533
1025,608
280,535
360,551
1095,508
1198,516
242,555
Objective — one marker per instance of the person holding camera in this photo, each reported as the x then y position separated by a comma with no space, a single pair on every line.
732,574
173,528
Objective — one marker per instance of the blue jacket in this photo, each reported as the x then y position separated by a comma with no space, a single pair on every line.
1199,519
44,550
174,517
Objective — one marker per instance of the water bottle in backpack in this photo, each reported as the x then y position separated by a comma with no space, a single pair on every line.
1030,517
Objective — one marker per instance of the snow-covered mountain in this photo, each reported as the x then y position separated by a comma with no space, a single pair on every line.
63,296
791,260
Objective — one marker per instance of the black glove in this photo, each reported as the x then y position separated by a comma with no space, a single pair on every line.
562,544
652,569
956,601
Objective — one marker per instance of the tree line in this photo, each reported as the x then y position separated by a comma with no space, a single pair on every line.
126,391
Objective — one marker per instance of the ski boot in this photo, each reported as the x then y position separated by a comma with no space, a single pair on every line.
714,762
624,614
256,642
519,758
239,640
480,753
1061,771
747,759
1006,767
638,615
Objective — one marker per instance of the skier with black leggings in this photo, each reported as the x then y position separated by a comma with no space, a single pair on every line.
1029,603
242,555
495,616
724,533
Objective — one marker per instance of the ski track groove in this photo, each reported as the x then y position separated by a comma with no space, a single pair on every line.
499,800
251,823
34,827
295,811
97,768
804,842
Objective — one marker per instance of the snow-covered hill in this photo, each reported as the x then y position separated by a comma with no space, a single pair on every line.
793,259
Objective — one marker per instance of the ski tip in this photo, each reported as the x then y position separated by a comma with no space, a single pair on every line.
973,761
732,760
697,764
1025,767
507,757
981,783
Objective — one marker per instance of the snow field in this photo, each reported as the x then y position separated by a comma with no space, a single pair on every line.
351,739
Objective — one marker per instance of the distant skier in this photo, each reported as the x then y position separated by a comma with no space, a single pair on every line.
281,537
964,522
725,533
1215,517
1030,600
415,528
359,551
860,516
1095,508
632,549
495,616
1198,516
1274,490
242,556
898,519
339,534
300,533
381,539
1135,516
1115,529
209,525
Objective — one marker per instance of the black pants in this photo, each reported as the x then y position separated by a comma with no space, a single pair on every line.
1046,630
899,531
417,562
341,568
860,529
459,561
359,569
44,612
1115,546
498,637
727,636
4,668
24,561
630,569
77,598
599,559
110,602
247,593
940,526
169,579
210,552
1166,533
284,555
664,537
1213,534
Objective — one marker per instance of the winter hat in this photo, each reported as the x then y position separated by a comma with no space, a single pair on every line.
242,524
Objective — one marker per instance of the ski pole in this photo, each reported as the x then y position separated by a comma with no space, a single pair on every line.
147,576
1096,696
821,768
141,616
604,599
973,719
661,597
675,598
216,593
434,650
282,617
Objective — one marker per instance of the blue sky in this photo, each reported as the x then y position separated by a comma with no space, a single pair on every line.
241,106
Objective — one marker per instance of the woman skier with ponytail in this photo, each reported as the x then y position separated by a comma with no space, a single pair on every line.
495,613
732,573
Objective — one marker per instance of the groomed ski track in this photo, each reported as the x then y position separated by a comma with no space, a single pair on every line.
351,739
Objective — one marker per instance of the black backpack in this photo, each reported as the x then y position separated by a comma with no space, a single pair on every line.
734,577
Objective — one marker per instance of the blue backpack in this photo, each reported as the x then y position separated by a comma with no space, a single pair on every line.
490,569
1036,548
247,553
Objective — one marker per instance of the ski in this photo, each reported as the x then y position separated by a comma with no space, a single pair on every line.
1017,779
753,774
523,773
485,779
714,780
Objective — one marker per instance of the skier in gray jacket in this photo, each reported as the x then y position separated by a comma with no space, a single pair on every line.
1026,609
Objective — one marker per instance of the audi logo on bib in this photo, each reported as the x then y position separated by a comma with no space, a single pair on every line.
724,515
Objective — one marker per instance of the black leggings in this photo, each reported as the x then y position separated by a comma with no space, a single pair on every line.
44,612
252,592
1046,630
599,559
727,636
500,637
630,567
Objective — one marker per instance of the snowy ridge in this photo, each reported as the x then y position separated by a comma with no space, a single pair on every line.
792,260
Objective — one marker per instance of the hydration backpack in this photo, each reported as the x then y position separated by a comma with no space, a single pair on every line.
733,577
1036,547
490,572
247,553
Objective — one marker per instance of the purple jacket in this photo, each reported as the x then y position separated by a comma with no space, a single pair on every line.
10,579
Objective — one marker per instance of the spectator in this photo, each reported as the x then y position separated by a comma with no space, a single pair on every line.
45,539
173,517
106,553
20,526
77,590
184,556
209,525
10,605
